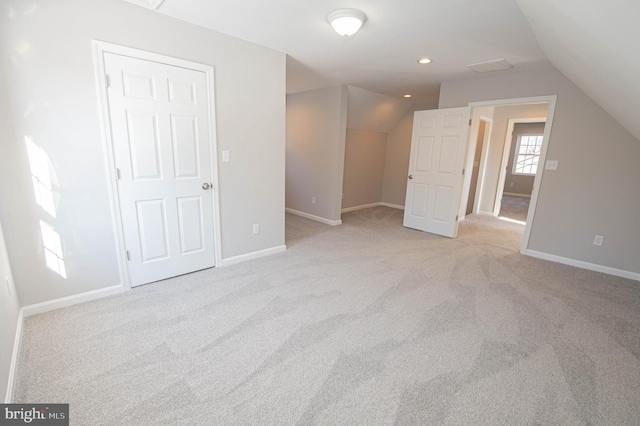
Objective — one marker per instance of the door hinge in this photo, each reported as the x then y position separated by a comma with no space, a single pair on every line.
107,81
463,172
118,173
128,255
470,120
456,218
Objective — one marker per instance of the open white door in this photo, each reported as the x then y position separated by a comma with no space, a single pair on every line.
434,189
159,117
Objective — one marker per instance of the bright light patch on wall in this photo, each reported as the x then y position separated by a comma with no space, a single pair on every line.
52,249
40,177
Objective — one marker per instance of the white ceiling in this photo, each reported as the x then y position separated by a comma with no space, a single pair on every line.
382,56
594,43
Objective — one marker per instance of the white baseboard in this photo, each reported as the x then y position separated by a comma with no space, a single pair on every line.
393,206
253,255
313,217
515,194
63,302
368,206
584,265
15,355
361,207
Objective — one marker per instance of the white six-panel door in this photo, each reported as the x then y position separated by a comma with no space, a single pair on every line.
434,186
159,118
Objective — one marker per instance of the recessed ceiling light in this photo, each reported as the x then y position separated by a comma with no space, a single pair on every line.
424,60
407,96
346,22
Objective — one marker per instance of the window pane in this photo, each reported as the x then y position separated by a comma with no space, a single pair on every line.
527,154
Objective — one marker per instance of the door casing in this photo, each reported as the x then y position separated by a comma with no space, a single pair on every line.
551,101
99,49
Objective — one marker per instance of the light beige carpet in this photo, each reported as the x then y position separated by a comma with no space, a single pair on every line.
515,208
367,323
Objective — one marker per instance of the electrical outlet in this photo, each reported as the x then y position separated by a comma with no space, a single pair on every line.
598,240
256,228
313,200
551,165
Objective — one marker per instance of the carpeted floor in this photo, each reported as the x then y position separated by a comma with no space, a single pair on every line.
515,208
367,323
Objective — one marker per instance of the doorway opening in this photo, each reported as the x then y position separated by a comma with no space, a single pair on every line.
493,126
520,162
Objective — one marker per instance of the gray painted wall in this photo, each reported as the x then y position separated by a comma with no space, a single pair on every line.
373,111
9,302
47,57
520,184
363,167
8,316
594,191
316,132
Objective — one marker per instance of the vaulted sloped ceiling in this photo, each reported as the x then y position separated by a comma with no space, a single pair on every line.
596,44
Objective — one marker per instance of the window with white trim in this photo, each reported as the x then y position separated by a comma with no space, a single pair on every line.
525,161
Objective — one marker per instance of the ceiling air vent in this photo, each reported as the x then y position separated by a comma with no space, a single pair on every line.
151,4
495,65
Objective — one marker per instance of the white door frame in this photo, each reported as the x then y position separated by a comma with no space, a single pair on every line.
100,48
505,157
483,162
551,100
471,150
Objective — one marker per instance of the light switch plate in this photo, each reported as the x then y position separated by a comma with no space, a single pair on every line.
551,165
225,156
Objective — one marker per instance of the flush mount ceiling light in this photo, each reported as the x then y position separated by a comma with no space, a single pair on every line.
424,61
407,96
346,22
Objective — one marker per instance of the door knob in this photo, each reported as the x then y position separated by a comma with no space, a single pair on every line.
410,176
206,186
